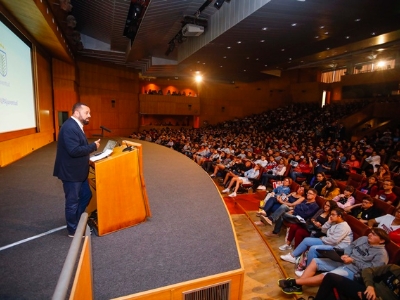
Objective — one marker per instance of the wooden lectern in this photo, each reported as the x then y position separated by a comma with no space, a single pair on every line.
119,190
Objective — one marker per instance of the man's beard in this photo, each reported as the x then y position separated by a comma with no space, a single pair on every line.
85,122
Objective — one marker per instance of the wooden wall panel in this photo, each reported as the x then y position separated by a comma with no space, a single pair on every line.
98,86
65,92
44,95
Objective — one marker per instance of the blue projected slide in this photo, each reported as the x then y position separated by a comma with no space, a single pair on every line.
17,101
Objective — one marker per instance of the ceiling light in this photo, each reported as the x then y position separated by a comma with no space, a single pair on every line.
244,70
239,42
198,78
321,27
328,48
381,63
257,58
317,37
326,32
262,41
264,28
224,56
247,57
228,47
282,49
357,20
347,37
294,24
265,65
373,33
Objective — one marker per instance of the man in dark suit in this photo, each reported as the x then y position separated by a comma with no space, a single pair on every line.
72,164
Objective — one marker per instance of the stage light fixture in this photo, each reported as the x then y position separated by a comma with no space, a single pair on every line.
218,4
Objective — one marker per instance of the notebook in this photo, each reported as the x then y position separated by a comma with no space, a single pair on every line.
332,254
108,149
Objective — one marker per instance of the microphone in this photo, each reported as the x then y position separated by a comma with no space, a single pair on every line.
105,128
128,148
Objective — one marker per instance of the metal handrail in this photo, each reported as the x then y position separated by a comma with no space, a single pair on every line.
66,274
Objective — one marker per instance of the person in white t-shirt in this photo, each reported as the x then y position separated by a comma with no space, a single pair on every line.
387,222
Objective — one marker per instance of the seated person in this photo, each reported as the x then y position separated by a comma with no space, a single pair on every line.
237,169
378,283
207,163
387,222
371,162
319,182
364,211
225,162
330,190
304,210
290,200
262,161
328,166
313,226
204,152
365,252
346,199
386,194
383,173
303,168
370,187
350,166
276,173
338,235
237,180
278,191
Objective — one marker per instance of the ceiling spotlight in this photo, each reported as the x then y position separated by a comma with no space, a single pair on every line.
198,78
262,41
294,24
239,42
347,37
218,4
264,28
357,20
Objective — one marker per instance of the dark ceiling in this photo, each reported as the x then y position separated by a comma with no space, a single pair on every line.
244,40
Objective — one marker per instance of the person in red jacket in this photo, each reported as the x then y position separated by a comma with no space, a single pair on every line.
304,168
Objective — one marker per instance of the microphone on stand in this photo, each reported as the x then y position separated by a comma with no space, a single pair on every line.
128,148
105,128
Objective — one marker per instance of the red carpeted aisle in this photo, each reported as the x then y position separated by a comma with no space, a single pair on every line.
249,202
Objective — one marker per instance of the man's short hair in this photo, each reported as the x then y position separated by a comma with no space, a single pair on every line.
382,234
369,199
77,106
313,190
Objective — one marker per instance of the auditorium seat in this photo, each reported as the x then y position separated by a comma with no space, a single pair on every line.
355,180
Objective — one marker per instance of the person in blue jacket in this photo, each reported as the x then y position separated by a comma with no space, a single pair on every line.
72,164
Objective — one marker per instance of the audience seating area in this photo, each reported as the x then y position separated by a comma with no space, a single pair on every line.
291,133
